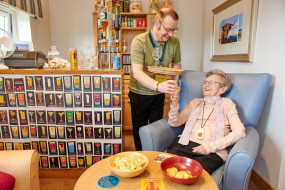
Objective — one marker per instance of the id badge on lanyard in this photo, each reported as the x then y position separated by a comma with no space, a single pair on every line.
200,134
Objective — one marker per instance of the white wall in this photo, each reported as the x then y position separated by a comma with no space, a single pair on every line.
71,24
40,29
269,57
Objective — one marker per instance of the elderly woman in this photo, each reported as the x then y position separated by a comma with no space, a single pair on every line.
212,123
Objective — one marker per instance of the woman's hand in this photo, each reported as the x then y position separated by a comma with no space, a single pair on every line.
175,97
200,149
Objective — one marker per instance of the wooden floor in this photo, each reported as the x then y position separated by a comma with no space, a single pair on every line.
67,182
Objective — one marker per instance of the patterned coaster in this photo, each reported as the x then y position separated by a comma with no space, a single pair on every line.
108,181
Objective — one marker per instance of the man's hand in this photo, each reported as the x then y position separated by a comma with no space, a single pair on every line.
168,87
200,149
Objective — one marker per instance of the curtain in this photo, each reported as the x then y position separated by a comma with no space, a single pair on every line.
32,7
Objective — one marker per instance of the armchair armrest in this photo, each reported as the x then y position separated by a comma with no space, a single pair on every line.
240,161
24,166
158,136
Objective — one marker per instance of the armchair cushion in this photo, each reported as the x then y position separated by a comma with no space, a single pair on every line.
7,181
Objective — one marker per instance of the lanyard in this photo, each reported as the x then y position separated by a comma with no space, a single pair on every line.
153,44
202,125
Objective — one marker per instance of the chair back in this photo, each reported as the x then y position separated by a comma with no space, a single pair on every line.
248,91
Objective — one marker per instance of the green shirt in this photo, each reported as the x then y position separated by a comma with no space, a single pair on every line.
141,53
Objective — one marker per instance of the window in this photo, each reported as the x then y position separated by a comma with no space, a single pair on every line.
5,20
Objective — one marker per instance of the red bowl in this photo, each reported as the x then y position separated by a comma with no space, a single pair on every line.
182,164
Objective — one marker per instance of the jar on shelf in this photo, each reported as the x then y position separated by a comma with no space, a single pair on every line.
136,6
135,23
153,6
125,46
53,54
166,3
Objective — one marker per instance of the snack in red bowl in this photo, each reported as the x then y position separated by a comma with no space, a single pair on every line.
181,170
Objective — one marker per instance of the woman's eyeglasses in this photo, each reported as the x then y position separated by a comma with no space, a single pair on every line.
212,83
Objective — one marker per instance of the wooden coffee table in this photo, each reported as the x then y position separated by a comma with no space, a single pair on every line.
88,180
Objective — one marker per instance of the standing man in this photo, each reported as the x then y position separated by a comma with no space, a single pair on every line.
146,93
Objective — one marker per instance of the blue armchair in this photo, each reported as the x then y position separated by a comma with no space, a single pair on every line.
249,92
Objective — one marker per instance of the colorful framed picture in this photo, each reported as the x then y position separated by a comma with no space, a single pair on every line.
4,117
89,132
21,99
97,100
80,148
62,148
52,147
19,85
63,162
71,147
13,117
39,83
15,132
12,100
79,117
9,85
41,116
5,132
116,87
67,83
87,87
42,131
49,83
58,83
43,147
50,100
77,83
52,132
234,28
78,99
88,147
31,98
98,118
53,162
30,83
88,117
40,99
44,162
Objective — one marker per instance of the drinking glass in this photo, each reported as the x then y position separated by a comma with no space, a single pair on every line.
93,53
156,54
83,52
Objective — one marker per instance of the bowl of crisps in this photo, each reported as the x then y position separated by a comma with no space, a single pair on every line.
128,164
181,170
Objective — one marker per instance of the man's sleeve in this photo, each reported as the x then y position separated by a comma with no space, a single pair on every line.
177,52
137,55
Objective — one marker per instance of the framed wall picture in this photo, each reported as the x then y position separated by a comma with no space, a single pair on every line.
233,33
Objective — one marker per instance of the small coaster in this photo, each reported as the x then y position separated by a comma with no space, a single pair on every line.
108,181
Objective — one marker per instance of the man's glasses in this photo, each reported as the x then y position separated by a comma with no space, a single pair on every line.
169,30
212,83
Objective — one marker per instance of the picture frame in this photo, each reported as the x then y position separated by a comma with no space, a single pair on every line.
233,32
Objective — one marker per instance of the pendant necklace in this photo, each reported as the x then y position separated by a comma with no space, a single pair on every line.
200,134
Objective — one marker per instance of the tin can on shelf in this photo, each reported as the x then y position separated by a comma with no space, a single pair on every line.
116,63
73,58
